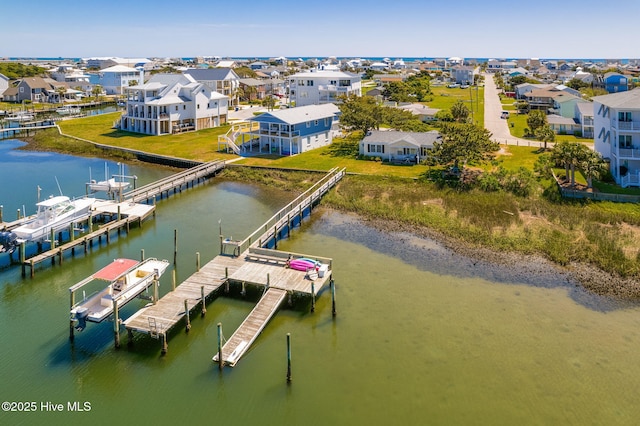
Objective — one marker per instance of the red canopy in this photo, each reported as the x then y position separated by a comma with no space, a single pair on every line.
112,271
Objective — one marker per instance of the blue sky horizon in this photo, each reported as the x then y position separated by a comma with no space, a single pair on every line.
411,28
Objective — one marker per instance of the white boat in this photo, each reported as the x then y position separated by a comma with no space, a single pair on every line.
20,116
66,110
109,185
55,213
127,278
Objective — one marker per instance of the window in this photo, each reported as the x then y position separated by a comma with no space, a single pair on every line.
624,116
309,82
375,148
345,83
308,124
333,82
300,82
198,106
176,107
184,107
315,123
625,141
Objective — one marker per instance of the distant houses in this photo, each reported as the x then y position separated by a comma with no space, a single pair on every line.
322,87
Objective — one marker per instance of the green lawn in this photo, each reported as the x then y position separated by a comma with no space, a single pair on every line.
519,122
513,157
444,98
199,146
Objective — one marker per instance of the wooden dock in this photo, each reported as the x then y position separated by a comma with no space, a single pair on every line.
250,264
157,319
251,327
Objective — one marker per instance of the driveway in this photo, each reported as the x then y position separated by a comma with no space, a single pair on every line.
499,127
245,112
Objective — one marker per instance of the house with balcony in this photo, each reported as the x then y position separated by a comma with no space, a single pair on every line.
398,147
583,115
222,80
114,79
617,134
322,87
172,103
292,131
542,98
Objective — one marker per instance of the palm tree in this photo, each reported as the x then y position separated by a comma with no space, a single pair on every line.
592,165
562,154
61,90
546,134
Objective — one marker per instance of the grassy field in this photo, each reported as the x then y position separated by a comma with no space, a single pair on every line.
520,123
444,98
199,146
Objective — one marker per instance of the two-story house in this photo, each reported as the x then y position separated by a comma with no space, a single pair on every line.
617,134
294,130
322,87
463,74
172,103
4,84
114,79
222,80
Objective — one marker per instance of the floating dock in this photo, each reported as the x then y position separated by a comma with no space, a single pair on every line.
250,262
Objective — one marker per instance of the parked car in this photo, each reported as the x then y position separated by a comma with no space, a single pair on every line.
453,85
505,114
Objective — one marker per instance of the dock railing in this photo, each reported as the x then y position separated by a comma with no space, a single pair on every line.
295,207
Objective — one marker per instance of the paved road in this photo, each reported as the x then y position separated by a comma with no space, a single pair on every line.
499,127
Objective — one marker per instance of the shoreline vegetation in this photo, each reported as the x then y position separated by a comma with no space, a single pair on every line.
595,242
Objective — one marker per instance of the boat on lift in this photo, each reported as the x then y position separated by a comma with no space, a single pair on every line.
126,279
109,185
53,214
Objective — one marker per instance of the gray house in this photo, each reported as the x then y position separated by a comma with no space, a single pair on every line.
395,146
221,80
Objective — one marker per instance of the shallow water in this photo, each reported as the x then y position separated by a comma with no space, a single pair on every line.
421,336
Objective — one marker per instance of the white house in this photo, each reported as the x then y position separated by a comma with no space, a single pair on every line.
117,77
322,87
172,103
462,74
395,146
423,112
584,116
4,84
222,80
617,134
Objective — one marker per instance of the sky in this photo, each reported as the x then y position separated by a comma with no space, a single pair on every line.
307,28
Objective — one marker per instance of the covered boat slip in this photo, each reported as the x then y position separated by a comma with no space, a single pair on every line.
126,279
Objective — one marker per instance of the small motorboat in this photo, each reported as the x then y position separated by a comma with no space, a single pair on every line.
127,278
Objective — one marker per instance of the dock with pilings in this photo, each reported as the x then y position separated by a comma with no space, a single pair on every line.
131,207
249,262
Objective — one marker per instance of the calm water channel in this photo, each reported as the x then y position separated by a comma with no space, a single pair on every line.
421,336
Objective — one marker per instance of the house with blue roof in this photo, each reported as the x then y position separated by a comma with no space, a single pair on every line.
293,131
613,82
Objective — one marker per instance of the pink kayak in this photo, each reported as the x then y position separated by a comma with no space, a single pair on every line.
301,264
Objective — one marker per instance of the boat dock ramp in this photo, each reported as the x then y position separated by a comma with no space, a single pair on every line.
242,263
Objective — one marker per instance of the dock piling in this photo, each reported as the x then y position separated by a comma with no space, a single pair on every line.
116,325
175,246
333,297
141,255
204,299
288,357
186,314
313,297
198,261
173,280
220,360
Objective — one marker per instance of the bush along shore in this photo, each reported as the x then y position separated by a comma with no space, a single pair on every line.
595,241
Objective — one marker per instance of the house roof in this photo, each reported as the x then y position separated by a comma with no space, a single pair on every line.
300,114
558,119
419,109
36,83
211,74
324,74
252,82
544,93
628,99
565,97
11,91
585,108
119,68
426,139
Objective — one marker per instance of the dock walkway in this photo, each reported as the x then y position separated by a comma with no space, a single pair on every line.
252,326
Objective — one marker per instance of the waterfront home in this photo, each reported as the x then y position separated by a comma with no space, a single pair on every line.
398,147
114,79
294,130
222,80
617,134
172,103
322,87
